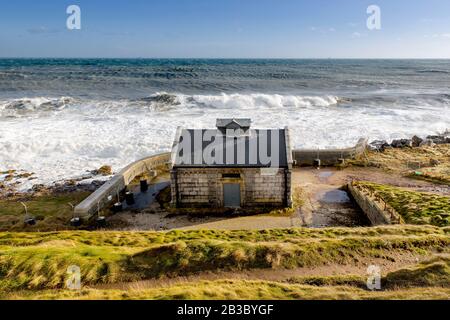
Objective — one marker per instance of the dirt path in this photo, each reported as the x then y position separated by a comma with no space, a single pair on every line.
327,205
401,261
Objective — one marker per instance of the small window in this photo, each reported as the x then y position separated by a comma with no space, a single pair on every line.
231,175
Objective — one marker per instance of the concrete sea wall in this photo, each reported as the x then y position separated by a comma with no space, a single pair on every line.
102,196
328,157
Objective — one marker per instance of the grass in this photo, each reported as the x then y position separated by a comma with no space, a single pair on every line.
46,266
144,239
51,210
298,200
195,256
32,261
414,207
434,273
405,159
439,174
431,273
238,289
427,280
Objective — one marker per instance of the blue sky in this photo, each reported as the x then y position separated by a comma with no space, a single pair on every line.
226,29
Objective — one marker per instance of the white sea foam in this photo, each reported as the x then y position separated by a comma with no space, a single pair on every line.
74,135
20,107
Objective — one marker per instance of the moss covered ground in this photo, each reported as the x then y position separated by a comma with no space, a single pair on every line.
52,211
414,207
31,263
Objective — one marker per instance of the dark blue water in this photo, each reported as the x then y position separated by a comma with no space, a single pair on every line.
131,78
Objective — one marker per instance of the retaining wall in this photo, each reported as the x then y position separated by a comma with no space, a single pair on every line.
99,198
328,157
374,210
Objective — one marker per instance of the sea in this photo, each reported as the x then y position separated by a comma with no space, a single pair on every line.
60,118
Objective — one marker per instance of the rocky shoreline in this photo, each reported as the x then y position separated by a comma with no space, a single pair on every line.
414,142
88,182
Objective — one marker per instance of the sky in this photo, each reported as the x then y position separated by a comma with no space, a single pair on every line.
225,29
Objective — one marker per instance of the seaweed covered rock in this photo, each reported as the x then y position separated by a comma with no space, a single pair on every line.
416,141
402,143
379,145
103,170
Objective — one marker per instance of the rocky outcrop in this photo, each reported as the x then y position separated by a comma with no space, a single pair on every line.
414,142
439,139
402,143
379,145
103,171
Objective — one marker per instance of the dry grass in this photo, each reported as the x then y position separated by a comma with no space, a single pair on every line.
239,289
144,239
40,260
439,174
409,160
431,273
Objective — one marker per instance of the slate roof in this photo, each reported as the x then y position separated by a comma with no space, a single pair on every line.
253,137
227,123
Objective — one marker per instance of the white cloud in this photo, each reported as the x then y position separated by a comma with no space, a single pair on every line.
356,35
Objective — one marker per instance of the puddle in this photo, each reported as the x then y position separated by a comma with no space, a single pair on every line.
334,196
324,175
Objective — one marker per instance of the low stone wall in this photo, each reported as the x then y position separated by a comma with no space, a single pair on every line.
328,157
377,213
99,198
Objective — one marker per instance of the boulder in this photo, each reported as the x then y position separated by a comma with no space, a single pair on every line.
103,170
401,143
379,145
39,188
427,142
438,139
416,141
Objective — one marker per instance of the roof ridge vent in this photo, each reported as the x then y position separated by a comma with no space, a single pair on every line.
233,123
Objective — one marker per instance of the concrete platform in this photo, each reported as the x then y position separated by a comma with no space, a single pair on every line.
143,200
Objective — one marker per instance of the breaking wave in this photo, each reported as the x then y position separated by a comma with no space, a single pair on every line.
69,136
250,101
163,101
26,105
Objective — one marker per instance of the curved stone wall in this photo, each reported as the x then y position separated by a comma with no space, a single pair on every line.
101,196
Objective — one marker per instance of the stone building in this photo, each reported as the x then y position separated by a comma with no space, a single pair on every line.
231,166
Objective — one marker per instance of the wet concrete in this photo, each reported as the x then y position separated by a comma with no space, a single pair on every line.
328,205
143,200
334,196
